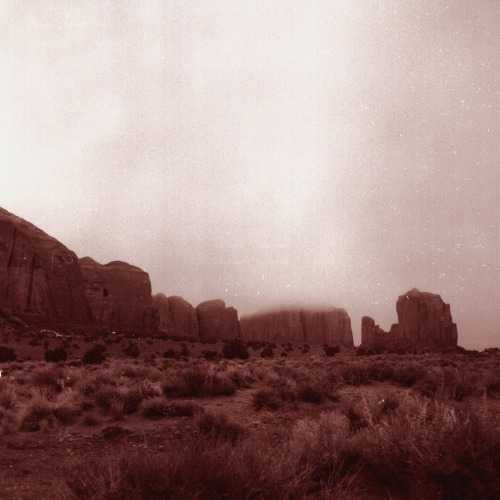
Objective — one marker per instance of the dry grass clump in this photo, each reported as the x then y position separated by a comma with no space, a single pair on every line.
267,399
217,426
160,407
198,382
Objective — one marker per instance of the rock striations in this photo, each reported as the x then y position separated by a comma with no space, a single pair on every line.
216,321
423,320
39,277
332,326
119,294
177,317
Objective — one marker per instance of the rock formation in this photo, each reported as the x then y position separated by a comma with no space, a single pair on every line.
373,334
216,321
39,276
332,326
423,320
177,317
119,294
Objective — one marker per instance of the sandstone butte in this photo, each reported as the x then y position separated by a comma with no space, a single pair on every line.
423,320
216,321
177,317
39,277
331,326
119,294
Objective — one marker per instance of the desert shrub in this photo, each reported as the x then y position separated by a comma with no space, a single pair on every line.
68,407
208,354
131,350
37,414
8,396
94,356
331,351
155,408
33,341
116,409
235,348
492,384
283,354
442,383
218,427
7,354
160,407
174,386
171,354
55,355
105,396
267,352
202,469
304,350
184,409
311,392
52,376
90,418
185,352
355,374
267,398
201,382
132,399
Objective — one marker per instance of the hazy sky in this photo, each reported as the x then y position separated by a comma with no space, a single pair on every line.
265,153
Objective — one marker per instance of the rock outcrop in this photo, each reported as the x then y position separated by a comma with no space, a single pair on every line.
177,317
39,276
424,317
423,320
119,295
373,334
216,321
331,326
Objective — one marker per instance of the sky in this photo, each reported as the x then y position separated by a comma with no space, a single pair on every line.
270,154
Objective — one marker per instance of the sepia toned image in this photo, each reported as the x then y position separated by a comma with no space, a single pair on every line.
249,250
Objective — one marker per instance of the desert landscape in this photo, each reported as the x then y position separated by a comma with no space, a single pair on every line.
249,250
109,392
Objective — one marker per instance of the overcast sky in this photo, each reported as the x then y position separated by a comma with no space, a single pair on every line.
265,153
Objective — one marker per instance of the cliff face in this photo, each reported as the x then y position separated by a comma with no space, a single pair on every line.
177,316
332,326
216,321
423,320
119,294
39,276
424,317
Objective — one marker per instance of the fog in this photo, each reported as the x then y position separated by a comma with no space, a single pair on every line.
270,154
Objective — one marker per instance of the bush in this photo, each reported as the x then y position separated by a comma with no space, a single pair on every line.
218,427
131,350
235,349
210,354
311,392
94,356
7,354
267,352
171,354
55,355
331,351
267,399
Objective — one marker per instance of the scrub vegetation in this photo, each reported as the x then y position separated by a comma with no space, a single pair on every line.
324,424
